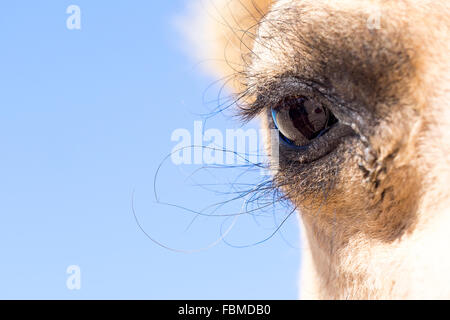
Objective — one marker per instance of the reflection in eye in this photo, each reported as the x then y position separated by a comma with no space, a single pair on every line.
300,120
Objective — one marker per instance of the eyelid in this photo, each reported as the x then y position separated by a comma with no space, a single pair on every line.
272,94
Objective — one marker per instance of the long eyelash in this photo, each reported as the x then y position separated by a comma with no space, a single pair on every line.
257,98
250,103
258,198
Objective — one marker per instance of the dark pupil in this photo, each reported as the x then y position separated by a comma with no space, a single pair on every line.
304,120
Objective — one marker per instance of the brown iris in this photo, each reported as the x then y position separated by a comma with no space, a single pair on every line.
300,119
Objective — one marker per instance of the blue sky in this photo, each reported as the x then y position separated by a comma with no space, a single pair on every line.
86,119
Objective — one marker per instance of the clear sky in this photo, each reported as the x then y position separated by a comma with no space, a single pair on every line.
86,119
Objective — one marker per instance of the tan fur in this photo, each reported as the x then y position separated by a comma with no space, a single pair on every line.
383,231
223,32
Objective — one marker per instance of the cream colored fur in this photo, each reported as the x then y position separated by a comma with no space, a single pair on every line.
417,264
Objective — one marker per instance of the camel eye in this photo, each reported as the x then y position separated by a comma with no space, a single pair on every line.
301,120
